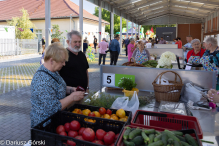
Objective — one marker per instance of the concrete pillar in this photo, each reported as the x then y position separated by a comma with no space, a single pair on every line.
120,34
132,29
112,24
48,23
100,22
127,22
211,22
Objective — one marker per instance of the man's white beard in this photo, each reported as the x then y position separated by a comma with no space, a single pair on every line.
74,49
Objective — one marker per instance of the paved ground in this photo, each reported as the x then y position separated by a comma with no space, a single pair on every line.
15,78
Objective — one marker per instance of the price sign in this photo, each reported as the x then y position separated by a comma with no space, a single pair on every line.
113,80
108,79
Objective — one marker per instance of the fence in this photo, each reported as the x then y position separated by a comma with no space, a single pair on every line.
9,47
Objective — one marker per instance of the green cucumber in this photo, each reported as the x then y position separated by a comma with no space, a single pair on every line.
170,141
157,132
138,140
151,137
150,131
164,139
157,138
177,133
171,135
191,140
135,133
157,143
181,138
177,143
127,143
126,133
145,137
184,143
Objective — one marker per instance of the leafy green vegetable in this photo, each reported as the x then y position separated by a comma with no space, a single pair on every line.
150,63
126,83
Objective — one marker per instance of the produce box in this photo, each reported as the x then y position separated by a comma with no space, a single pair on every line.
49,132
139,140
95,108
161,121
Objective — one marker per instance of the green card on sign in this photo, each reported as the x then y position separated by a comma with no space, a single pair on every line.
119,76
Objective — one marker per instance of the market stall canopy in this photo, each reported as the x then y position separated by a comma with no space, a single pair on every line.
130,32
151,12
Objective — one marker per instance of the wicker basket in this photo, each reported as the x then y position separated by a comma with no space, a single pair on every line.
130,63
163,92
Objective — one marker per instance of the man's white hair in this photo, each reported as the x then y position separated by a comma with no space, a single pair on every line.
73,32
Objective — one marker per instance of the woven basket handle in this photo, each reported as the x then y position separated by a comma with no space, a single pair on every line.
160,75
132,58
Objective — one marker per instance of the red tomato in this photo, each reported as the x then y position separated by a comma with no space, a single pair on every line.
72,143
63,133
109,112
102,110
67,127
109,138
60,128
100,134
79,137
116,137
98,142
75,125
91,114
72,133
81,131
88,134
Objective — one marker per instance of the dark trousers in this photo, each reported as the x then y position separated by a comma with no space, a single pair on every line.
100,57
113,57
95,45
126,50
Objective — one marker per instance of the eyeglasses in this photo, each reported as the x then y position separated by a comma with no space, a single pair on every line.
196,44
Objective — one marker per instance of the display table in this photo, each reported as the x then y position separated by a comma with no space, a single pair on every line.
209,120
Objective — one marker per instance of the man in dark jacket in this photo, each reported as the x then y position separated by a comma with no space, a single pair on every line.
115,50
127,41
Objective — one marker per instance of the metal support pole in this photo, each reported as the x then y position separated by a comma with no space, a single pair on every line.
176,29
100,22
110,26
127,28
132,29
120,34
206,25
112,23
218,21
81,16
211,22
48,23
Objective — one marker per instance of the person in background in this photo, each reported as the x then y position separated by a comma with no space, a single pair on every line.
127,41
137,38
43,44
149,44
162,41
85,46
42,58
144,41
87,41
174,41
48,89
131,48
140,51
194,56
115,50
102,51
95,44
187,47
75,72
210,59
180,43
156,40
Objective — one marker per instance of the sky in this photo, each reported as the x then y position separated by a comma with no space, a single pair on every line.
87,5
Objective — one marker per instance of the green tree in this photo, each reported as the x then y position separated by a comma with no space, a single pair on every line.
24,23
106,17
56,32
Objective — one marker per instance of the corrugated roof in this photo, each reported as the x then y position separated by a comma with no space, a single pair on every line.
36,9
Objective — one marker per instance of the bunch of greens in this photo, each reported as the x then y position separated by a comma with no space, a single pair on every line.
150,63
126,83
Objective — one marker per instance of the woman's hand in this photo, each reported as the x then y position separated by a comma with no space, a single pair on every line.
213,95
77,96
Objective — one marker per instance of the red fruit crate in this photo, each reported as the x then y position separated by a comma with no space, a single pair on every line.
161,121
192,132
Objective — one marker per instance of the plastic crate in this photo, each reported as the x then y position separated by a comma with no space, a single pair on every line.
161,121
95,108
48,132
192,132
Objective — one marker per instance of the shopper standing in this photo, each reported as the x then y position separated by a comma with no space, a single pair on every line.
43,44
127,41
102,51
115,50
95,44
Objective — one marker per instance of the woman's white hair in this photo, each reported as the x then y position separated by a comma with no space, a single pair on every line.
212,41
131,39
195,40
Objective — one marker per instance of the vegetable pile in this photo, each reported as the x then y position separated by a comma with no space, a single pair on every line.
150,63
151,137
74,129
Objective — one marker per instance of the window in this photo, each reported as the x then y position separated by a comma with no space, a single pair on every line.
38,33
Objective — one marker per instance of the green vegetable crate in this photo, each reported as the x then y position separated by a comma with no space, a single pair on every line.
140,136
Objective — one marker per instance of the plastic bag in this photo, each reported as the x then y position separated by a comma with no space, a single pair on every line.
191,93
164,81
124,103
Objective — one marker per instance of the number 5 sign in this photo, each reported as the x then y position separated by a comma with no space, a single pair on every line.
109,79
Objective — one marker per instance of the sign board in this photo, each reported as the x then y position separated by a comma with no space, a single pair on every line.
112,80
7,32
